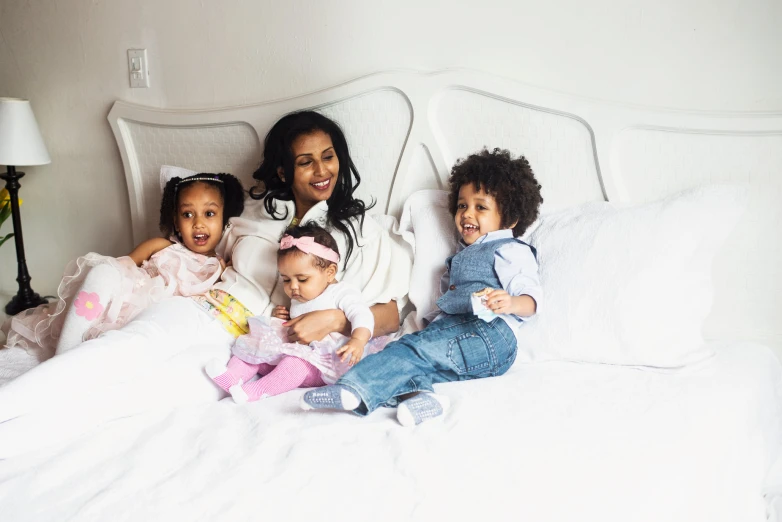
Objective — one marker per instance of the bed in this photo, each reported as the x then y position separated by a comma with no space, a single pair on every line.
650,389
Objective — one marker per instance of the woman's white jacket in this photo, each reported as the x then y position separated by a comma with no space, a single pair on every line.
379,266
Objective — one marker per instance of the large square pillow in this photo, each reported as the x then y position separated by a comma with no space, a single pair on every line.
630,285
624,285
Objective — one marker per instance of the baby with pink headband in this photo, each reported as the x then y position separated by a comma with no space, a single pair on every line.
308,264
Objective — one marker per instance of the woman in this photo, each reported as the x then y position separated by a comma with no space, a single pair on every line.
157,359
308,175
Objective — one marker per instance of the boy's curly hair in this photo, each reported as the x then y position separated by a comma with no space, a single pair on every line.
230,189
510,181
315,231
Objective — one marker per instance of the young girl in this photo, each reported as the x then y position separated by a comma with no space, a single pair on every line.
493,199
307,262
102,293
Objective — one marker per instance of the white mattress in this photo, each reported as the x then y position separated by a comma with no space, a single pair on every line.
546,442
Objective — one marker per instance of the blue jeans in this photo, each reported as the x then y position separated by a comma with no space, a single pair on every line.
454,348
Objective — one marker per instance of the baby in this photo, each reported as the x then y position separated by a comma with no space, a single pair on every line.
307,263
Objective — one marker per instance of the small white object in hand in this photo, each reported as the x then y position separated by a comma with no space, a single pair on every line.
480,308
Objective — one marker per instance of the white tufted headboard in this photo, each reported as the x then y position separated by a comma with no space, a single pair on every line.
406,129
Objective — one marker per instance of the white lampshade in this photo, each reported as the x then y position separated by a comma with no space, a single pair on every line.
20,140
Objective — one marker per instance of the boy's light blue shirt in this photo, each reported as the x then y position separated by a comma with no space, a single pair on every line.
517,270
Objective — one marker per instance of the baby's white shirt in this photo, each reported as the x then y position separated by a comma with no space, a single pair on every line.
342,296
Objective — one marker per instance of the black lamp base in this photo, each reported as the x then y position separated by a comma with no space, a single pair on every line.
25,298
20,303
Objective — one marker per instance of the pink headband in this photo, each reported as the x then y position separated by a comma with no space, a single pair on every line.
308,245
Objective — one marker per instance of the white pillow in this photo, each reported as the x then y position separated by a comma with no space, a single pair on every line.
630,285
168,172
428,226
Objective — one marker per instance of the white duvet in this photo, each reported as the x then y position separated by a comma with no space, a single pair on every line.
546,442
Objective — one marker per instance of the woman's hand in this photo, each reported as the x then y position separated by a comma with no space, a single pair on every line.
314,326
386,318
280,312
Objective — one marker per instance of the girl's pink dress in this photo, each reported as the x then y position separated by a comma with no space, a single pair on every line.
175,270
268,343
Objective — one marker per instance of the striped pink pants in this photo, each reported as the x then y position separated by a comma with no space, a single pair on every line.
289,374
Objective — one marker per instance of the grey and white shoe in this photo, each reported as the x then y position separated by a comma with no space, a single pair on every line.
422,407
334,397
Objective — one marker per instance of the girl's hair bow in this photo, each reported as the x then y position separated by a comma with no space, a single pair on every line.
308,245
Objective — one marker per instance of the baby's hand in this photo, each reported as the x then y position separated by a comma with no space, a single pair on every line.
352,351
280,312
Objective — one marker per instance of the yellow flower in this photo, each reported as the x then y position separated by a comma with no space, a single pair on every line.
5,197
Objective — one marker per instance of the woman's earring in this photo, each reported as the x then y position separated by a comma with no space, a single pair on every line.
259,188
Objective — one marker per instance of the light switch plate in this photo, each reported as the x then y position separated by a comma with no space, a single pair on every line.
138,68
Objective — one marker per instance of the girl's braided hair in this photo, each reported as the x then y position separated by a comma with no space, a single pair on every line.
230,190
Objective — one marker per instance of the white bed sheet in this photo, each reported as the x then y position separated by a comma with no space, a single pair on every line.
546,442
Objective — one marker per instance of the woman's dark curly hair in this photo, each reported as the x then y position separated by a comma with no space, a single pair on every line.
230,190
313,230
278,152
510,181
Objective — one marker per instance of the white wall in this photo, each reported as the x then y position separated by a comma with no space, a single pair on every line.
70,58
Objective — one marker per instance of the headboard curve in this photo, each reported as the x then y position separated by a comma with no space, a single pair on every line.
406,129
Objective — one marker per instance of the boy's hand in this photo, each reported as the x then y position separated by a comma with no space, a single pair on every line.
280,312
352,351
499,301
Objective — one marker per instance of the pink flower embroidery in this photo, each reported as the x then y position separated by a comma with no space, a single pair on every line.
88,305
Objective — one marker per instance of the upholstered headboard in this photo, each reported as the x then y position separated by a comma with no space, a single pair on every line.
406,129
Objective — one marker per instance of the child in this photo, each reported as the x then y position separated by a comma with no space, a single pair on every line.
307,263
493,199
103,293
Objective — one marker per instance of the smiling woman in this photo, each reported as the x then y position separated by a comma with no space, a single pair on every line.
315,170
307,174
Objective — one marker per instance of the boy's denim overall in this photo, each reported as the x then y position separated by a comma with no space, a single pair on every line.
455,347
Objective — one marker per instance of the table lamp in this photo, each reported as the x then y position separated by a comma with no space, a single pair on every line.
20,144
